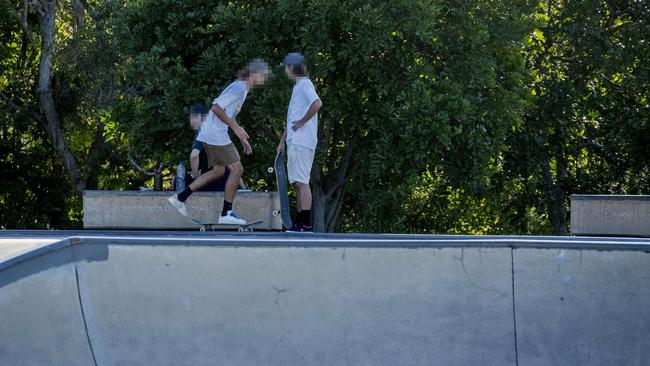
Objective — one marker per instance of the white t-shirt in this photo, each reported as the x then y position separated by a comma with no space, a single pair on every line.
213,130
304,94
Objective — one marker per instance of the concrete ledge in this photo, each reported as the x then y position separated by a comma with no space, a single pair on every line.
625,215
150,210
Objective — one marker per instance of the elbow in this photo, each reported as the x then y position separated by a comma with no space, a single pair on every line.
318,104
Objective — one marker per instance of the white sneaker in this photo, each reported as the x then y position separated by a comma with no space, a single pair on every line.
231,218
180,206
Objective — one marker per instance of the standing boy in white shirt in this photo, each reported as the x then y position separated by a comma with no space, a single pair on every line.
300,136
218,146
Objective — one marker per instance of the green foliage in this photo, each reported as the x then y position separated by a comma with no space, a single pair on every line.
33,188
465,96
588,129
448,116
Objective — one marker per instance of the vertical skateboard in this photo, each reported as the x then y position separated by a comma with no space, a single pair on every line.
281,178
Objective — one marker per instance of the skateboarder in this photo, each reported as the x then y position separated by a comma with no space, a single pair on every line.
300,136
218,146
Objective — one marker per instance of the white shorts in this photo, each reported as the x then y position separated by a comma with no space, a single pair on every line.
299,162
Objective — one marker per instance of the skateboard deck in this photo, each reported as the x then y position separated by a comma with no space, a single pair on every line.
281,178
213,225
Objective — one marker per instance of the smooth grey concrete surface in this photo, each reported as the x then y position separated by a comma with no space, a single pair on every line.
151,210
277,299
40,317
626,215
582,307
299,306
10,248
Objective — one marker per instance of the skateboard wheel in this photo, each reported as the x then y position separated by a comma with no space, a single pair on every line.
202,229
276,213
271,169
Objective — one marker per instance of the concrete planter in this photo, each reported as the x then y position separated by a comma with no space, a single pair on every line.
622,215
150,210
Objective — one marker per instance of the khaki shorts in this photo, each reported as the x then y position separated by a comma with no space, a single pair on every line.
221,155
299,162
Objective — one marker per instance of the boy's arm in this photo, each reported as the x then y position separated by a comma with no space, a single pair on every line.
194,162
313,109
237,129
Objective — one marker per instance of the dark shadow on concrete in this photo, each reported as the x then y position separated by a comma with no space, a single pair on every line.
58,254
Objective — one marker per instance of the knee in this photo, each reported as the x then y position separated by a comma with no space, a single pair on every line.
301,186
237,170
217,171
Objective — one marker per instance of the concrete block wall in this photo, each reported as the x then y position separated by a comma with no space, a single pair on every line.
151,210
610,215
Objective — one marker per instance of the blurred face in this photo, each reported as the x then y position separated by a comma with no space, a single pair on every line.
289,72
196,120
257,79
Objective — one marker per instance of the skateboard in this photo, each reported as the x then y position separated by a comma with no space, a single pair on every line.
281,178
213,225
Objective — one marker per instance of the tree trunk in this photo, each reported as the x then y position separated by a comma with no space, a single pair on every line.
326,207
78,15
46,17
328,191
555,191
319,209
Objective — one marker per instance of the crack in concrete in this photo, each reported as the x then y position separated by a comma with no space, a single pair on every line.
83,316
514,308
276,301
469,279
278,291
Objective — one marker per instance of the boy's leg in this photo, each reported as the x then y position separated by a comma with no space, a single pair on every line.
228,156
236,172
298,205
178,200
208,177
303,191
299,162
200,182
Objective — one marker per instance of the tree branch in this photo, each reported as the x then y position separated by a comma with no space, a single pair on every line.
17,108
334,210
95,148
139,169
47,22
22,20
89,9
340,174
9,101
78,20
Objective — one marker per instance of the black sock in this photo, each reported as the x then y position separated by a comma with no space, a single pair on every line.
185,194
227,206
305,217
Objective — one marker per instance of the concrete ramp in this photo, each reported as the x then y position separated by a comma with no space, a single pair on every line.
179,299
